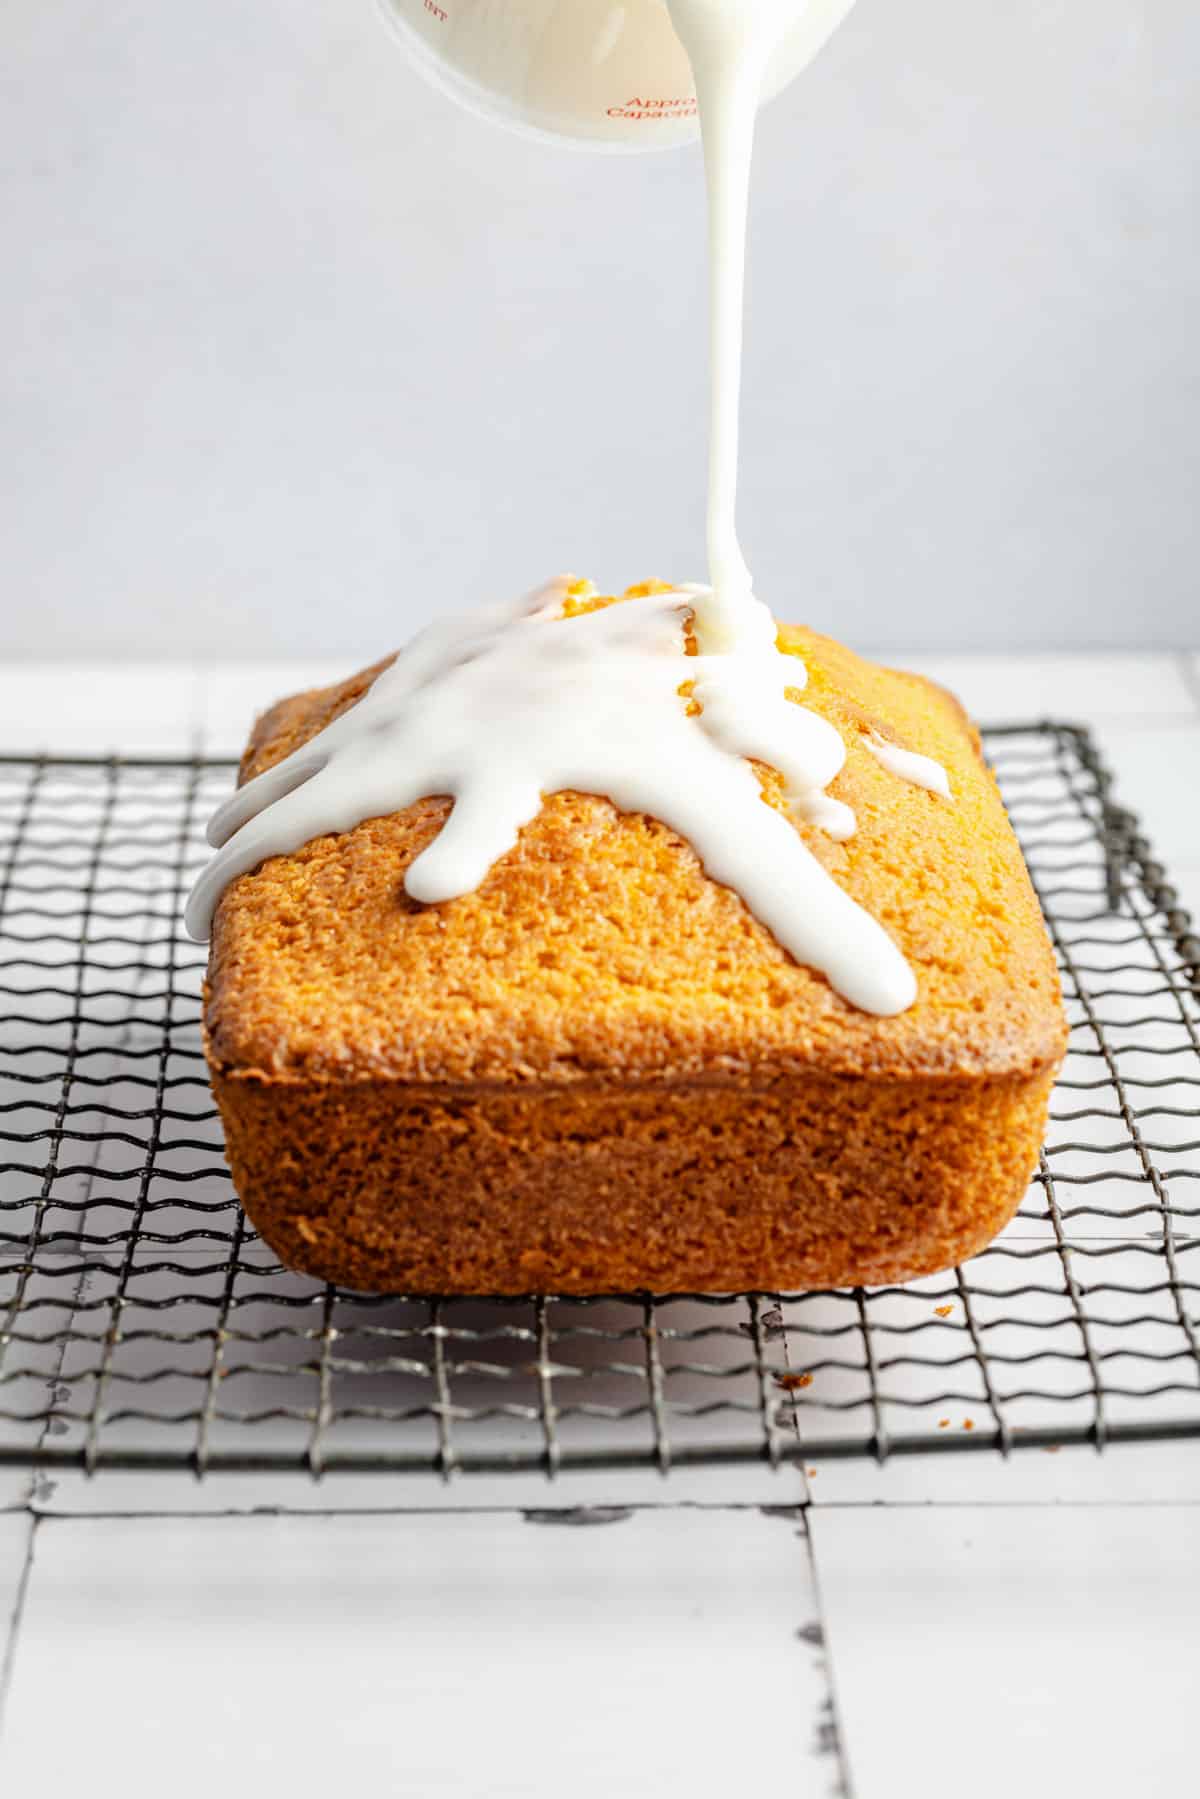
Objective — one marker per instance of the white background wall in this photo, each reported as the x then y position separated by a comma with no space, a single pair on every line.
295,353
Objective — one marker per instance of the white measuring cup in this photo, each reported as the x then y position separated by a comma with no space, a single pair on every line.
613,76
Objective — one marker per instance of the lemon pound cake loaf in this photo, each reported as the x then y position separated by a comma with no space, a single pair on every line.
599,1069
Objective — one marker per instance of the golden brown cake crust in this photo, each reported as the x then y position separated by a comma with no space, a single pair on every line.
557,1079
689,1187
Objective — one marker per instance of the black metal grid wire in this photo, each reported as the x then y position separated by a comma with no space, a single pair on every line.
143,1325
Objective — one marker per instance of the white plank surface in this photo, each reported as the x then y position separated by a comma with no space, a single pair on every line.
90,709
1156,769
454,1655
72,1494
1011,689
1124,1473
1014,1650
1187,881
16,1529
991,1626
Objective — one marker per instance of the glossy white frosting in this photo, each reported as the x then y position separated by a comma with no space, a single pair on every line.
922,771
497,707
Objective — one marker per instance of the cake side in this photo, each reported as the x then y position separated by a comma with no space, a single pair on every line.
598,950
725,1186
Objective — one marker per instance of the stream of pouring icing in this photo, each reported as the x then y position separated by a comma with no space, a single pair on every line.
497,707
729,44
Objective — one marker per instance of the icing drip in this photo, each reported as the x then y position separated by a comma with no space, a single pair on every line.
921,771
497,707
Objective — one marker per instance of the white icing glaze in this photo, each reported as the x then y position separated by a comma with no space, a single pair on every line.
498,707
921,771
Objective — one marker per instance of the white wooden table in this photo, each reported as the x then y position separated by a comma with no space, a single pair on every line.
954,1625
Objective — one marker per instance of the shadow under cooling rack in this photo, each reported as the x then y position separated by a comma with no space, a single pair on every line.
142,1324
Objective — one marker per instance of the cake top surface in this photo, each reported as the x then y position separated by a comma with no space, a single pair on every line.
599,949
497,705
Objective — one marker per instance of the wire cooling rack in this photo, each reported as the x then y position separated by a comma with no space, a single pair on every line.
143,1325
